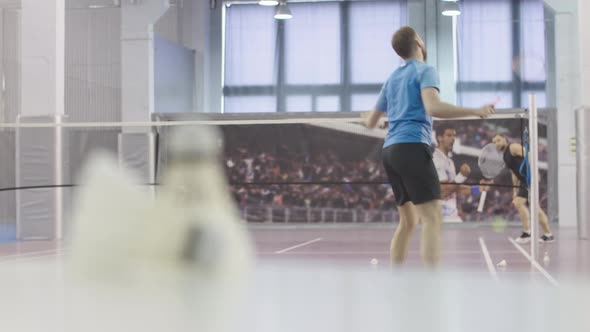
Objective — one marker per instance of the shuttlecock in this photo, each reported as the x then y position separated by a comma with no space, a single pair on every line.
502,264
546,258
195,185
189,240
374,261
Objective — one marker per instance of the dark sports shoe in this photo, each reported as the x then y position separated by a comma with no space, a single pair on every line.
524,238
547,238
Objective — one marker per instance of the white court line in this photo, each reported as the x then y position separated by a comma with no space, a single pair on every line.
331,253
459,252
32,253
298,246
488,259
32,258
535,263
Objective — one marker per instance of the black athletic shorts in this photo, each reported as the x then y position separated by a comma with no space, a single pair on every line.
523,190
411,172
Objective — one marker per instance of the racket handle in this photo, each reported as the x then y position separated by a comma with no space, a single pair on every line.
482,200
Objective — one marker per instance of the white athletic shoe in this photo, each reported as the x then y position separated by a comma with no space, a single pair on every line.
524,238
547,239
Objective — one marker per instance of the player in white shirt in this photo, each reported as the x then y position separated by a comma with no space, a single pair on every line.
447,173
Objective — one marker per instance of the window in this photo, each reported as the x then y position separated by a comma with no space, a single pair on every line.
501,51
299,103
327,103
360,101
332,56
312,44
250,104
249,56
371,56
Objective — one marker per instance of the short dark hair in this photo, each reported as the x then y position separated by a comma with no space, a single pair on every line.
442,128
503,136
404,42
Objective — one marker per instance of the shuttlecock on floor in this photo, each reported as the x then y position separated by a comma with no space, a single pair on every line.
502,264
374,261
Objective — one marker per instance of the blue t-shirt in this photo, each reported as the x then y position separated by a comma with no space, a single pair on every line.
401,99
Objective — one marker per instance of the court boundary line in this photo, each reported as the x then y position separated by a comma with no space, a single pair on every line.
534,262
312,253
358,253
27,254
299,245
33,258
488,259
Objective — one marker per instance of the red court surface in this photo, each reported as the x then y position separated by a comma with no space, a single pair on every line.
465,248
316,278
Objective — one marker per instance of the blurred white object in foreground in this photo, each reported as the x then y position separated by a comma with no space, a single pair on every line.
190,235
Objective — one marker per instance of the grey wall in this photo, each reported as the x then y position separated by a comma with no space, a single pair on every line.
170,25
93,65
9,109
9,64
174,77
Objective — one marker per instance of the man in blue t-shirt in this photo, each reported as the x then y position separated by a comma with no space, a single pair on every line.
409,99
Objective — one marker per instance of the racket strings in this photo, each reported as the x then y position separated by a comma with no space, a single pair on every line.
490,162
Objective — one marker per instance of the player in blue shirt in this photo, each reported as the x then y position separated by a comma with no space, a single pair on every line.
409,99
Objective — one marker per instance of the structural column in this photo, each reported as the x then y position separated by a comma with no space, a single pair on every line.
137,145
40,153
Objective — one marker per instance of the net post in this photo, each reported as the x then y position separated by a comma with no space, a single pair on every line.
534,165
582,174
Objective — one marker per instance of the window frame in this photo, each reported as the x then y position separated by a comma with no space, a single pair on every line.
516,85
344,90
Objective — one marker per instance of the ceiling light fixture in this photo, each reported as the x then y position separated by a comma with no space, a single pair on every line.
268,2
283,12
451,8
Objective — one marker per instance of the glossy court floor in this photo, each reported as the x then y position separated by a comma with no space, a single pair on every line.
337,278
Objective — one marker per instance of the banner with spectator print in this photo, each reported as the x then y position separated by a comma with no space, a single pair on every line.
326,173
